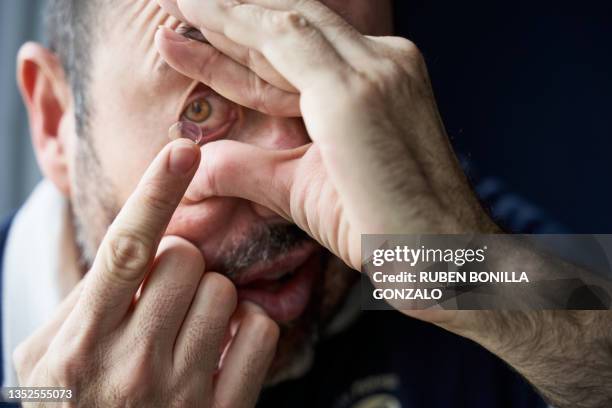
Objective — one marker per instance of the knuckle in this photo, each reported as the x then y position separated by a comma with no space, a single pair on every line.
282,22
139,376
410,55
66,368
127,256
389,69
262,96
155,197
364,90
258,91
406,47
228,4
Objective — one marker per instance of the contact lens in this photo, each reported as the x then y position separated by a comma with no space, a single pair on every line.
186,130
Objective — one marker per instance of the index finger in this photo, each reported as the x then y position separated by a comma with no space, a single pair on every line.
129,246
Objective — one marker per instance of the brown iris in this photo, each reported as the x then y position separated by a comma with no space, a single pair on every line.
198,111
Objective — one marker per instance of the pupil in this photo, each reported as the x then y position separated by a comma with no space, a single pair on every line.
197,107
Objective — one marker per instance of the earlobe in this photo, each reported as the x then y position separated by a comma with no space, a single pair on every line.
46,95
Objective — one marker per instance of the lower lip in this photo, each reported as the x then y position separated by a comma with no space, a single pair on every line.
288,302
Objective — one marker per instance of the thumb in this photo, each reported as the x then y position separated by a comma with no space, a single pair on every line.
234,169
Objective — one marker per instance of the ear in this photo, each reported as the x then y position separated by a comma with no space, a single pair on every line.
47,97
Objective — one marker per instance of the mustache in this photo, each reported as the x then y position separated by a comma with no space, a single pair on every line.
262,243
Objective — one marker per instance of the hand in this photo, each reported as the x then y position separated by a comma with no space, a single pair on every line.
116,341
380,161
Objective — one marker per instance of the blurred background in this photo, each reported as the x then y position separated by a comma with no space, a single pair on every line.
525,91
20,20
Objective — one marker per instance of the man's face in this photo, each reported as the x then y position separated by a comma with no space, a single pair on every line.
134,97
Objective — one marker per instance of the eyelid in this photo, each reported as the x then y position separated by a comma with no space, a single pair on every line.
200,91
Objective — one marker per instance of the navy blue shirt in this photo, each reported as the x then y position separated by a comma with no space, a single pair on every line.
4,229
389,360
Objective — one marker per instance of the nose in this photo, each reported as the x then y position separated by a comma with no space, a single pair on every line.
272,132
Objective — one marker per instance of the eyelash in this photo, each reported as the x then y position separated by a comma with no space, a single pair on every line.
221,110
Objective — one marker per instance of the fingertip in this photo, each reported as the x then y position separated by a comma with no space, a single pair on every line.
160,42
167,39
249,307
158,35
177,51
181,250
183,157
171,7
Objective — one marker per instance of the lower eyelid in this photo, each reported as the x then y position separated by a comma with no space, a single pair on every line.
226,124
222,130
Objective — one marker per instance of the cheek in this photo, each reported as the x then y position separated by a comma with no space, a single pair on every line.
123,156
128,136
131,116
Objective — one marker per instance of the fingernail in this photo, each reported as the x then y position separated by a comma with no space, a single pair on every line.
182,158
172,35
185,130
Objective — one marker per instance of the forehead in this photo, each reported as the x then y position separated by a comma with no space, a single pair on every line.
369,16
129,27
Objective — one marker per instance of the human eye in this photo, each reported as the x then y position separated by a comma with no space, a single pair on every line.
214,114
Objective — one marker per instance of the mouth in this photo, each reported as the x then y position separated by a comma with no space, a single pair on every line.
283,286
